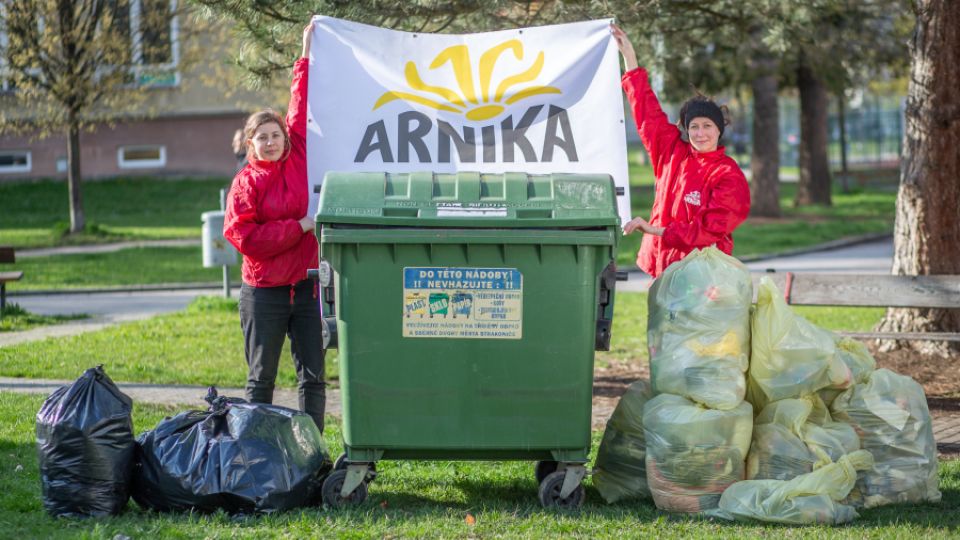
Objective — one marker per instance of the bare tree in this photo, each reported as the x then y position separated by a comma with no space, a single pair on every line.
927,229
77,63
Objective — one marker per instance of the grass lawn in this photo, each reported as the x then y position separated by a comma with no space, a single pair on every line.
203,345
127,267
421,499
34,213
13,318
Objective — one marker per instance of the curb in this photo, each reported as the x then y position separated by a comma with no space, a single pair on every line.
159,287
826,246
105,248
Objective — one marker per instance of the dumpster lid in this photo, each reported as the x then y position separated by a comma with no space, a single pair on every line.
468,200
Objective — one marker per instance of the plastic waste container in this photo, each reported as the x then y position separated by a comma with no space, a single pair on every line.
467,310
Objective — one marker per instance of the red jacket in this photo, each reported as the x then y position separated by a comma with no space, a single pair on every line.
267,200
701,197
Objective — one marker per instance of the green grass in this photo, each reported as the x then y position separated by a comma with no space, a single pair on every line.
127,267
14,318
420,499
203,345
34,213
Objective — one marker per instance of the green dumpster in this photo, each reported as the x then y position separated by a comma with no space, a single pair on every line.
467,310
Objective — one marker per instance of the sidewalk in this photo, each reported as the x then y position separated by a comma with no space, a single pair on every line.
946,428
105,248
165,394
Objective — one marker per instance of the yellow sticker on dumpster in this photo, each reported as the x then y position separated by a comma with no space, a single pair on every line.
461,302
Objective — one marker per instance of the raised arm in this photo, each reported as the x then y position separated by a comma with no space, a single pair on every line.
656,132
297,111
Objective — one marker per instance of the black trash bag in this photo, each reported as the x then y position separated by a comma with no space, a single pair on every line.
86,447
237,456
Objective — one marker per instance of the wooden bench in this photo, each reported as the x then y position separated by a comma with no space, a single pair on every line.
7,257
858,290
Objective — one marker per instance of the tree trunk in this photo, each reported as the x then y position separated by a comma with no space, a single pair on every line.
765,151
842,124
814,185
77,219
927,228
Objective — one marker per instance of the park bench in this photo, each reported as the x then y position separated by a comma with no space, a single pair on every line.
7,257
856,290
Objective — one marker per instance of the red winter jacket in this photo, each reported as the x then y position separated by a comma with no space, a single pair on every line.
701,197
267,200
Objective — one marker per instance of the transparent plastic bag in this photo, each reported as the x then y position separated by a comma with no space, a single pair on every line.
693,452
890,414
620,470
856,356
804,500
699,329
790,357
788,441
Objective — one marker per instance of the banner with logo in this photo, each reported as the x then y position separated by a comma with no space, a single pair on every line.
535,100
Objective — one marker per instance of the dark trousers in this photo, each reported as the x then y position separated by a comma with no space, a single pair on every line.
266,315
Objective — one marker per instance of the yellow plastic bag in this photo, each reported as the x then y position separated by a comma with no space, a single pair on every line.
795,436
699,329
890,414
807,499
620,470
790,357
861,363
693,453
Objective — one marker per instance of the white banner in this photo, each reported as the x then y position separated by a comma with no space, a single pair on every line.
535,100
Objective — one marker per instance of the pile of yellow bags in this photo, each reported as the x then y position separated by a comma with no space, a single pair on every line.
832,433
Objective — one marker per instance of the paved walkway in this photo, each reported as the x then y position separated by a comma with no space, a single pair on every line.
165,394
105,248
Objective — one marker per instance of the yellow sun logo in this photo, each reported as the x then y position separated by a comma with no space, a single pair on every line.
474,107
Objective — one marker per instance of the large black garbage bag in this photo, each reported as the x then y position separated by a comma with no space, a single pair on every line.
238,456
86,447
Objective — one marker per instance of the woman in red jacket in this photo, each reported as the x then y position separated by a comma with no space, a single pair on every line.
701,193
266,220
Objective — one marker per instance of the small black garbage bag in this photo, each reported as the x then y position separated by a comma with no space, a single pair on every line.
86,447
237,456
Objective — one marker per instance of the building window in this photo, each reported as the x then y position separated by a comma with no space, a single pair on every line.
152,28
15,161
142,157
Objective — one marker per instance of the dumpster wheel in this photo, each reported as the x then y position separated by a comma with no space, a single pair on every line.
341,465
332,486
550,493
543,469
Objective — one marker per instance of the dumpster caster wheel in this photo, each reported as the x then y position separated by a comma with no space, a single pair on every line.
544,469
550,493
331,491
341,465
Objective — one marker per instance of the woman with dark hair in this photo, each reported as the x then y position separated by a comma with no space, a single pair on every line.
701,193
266,220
